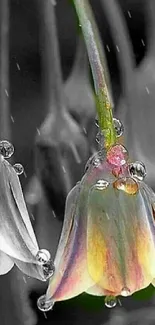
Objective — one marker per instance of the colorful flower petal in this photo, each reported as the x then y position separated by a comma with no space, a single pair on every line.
120,244
71,276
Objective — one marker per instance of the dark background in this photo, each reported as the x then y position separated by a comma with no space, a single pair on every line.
28,110
26,96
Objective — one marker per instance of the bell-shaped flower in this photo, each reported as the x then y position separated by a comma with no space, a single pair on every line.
17,240
107,245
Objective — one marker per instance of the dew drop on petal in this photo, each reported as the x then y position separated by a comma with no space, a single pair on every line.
94,161
126,184
45,305
110,301
101,184
137,170
125,292
6,149
19,169
48,269
116,171
43,256
118,127
117,155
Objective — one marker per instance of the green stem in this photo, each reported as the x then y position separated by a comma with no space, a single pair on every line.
100,76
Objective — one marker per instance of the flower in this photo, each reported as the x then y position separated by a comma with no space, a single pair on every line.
17,239
107,245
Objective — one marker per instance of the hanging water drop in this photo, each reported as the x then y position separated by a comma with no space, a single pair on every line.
6,149
118,127
137,170
19,169
94,161
110,301
101,184
117,155
125,292
44,258
126,184
45,305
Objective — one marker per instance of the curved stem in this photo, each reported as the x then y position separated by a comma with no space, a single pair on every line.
4,70
96,58
122,40
52,63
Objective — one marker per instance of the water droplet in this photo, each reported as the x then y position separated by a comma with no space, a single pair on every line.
118,50
84,130
38,131
6,149
143,43
99,137
7,94
24,279
147,89
116,171
117,155
94,161
43,256
125,292
137,170
126,184
107,46
12,119
75,153
101,184
45,305
118,127
48,269
63,168
18,66
19,169
129,14
54,215
96,121
110,301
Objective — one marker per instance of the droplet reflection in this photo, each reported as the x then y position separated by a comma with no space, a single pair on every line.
44,305
137,170
125,292
126,184
118,127
110,301
44,258
6,149
117,155
19,169
101,184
